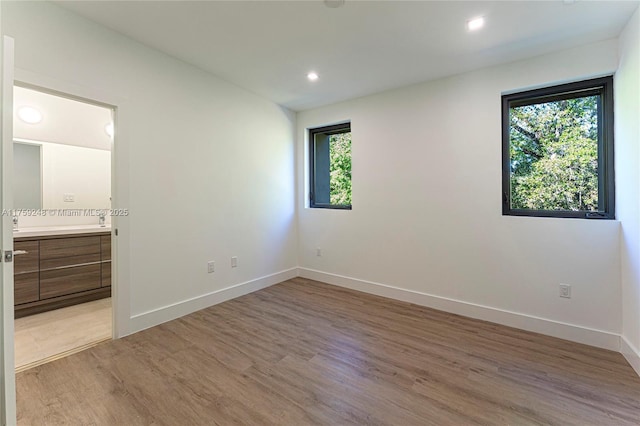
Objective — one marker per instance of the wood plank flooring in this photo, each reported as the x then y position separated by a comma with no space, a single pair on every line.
304,352
42,337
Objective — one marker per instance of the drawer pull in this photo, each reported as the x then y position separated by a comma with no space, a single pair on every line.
72,266
17,252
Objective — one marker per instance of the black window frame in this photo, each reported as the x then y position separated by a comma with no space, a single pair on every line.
329,130
606,172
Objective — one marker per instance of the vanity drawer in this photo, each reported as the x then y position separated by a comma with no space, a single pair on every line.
28,262
106,274
58,282
25,288
105,247
59,252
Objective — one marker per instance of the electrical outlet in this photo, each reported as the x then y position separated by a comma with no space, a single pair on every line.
565,291
234,262
211,266
319,252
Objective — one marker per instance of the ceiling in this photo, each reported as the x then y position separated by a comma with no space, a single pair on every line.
364,47
64,121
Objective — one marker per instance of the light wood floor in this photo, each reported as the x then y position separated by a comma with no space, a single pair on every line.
303,352
49,335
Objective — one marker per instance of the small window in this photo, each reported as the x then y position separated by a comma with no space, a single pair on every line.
330,167
557,151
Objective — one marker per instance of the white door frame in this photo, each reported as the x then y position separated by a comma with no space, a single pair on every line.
119,191
8,381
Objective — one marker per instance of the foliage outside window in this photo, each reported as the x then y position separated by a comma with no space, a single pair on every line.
330,166
558,151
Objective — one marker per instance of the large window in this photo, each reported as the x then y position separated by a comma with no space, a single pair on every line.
330,167
557,151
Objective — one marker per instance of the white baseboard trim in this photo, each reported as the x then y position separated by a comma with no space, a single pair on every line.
176,310
575,333
631,353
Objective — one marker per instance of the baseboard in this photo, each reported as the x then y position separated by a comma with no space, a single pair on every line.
176,310
631,353
572,332
575,333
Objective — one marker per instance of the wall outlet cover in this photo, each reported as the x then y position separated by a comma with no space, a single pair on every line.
565,291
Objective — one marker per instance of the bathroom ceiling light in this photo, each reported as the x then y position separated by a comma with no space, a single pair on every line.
109,130
312,76
29,115
475,23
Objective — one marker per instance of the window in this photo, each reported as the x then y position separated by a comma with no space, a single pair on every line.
557,151
330,167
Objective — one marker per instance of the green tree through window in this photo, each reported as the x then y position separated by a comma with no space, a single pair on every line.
557,148
340,168
554,155
330,167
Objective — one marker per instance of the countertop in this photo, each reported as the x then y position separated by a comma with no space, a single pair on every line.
60,230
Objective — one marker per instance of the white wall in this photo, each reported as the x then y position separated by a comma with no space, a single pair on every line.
206,168
426,224
627,98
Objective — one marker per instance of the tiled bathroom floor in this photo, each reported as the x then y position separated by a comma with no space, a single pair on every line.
51,335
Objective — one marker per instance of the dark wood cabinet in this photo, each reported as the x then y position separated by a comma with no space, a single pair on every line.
27,256
105,247
26,272
105,250
56,271
64,252
106,274
26,287
62,281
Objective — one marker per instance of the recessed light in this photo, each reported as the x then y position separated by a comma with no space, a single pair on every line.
475,23
312,76
29,115
109,130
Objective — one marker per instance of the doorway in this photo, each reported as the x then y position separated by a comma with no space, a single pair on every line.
62,224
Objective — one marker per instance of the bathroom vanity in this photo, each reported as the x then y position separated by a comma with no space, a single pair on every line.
58,267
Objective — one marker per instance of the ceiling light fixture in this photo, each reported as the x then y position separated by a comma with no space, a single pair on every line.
475,23
312,76
29,115
109,130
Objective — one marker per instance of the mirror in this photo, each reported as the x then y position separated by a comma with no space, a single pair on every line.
27,188
57,176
